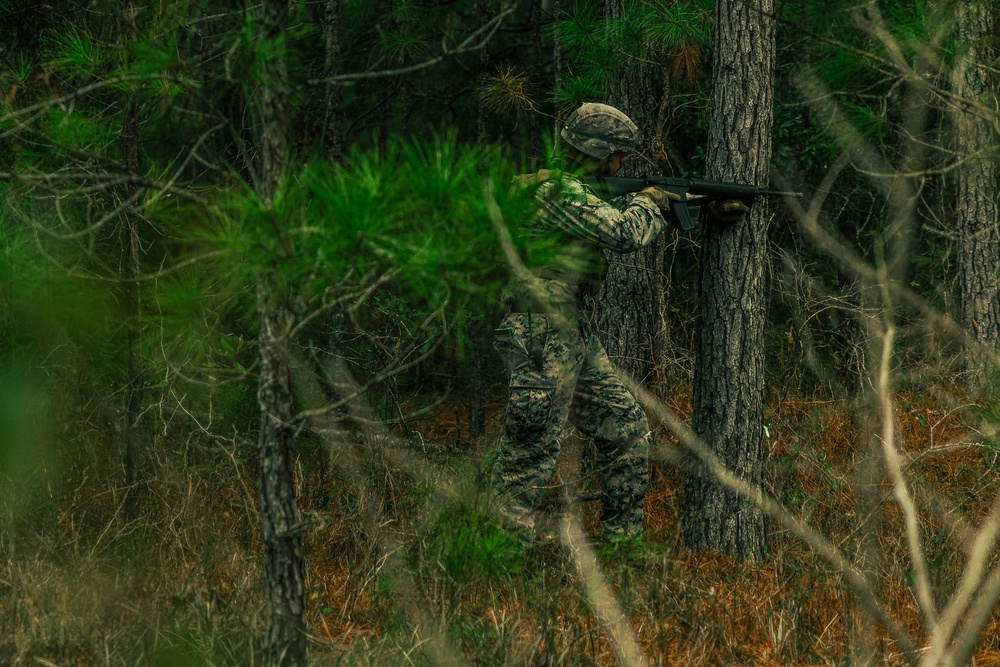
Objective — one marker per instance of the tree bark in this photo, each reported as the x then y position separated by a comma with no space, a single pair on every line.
483,14
729,371
333,113
535,50
285,641
135,475
976,193
477,333
554,9
627,316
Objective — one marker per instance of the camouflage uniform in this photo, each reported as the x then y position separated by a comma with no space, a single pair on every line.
559,371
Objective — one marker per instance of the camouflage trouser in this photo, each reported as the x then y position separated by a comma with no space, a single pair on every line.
559,375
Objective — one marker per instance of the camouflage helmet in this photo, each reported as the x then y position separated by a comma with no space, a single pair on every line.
599,130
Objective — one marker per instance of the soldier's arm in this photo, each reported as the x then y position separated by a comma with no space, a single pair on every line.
579,212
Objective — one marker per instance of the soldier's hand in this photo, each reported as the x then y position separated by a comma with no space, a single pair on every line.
730,210
531,180
660,197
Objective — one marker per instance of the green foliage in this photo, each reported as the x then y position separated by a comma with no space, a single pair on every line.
19,71
77,52
634,551
54,348
835,43
397,241
653,31
88,133
391,253
798,141
417,213
196,640
468,543
28,455
670,26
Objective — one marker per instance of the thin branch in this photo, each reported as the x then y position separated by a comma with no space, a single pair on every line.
117,280
902,493
907,73
76,94
466,46
598,593
358,295
385,374
101,182
964,594
169,185
103,220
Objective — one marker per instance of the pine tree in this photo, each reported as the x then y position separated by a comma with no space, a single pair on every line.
729,376
285,641
629,305
976,190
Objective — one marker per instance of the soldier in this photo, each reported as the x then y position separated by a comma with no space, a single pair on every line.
559,371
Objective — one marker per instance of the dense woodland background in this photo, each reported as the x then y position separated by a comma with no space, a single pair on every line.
252,256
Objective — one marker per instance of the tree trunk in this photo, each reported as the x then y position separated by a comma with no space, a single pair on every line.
285,641
729,372
535,50
135,477
976,193
477,333
483,13
554,9
626,317
333,113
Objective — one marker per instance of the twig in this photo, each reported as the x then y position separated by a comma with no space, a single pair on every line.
466,46
964,594
79,92
599,596
380,377
902,493
102,181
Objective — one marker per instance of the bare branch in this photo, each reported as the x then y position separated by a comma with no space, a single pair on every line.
100,182
62,100
903,497
958,608
384,374
467,45
901,68
599,595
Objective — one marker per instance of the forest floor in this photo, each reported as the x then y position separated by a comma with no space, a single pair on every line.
406,565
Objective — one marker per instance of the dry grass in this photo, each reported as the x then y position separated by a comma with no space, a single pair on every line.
80,585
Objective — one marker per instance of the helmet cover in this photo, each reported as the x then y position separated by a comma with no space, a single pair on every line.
598,130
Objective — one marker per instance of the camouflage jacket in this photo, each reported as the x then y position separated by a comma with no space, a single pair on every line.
568,235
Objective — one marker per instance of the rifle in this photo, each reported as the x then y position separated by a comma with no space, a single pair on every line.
609,187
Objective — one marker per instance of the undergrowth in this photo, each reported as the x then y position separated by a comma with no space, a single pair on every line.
408,568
